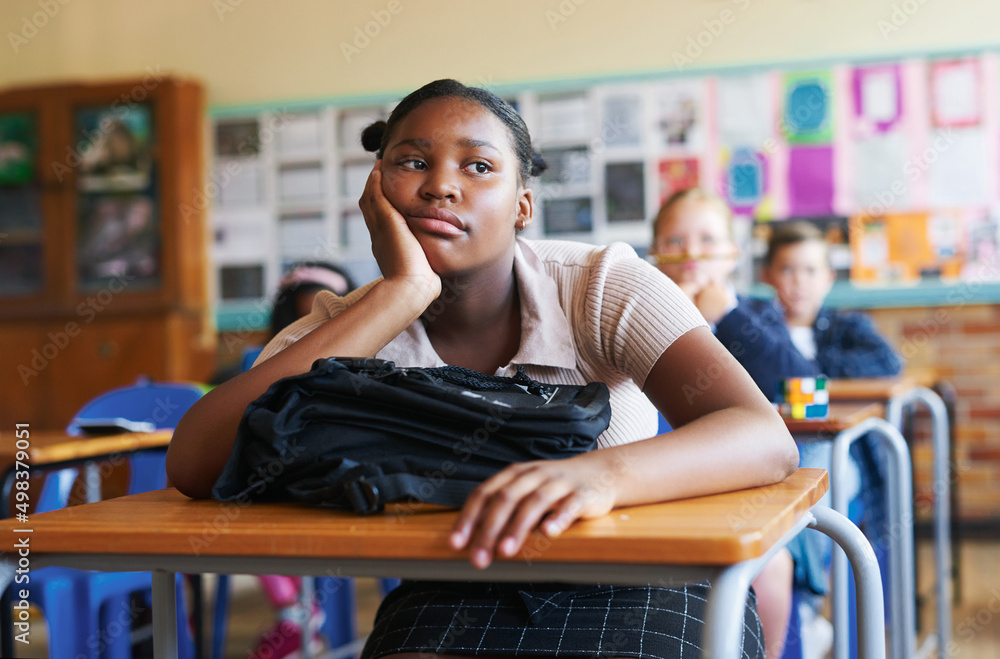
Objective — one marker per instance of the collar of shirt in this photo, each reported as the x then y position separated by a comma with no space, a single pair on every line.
546,336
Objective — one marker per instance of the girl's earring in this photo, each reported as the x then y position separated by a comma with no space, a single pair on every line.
519,225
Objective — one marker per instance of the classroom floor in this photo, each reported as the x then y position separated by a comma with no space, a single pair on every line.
976,621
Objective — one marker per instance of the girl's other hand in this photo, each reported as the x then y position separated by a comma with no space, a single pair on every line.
691,288
548,494
714,300
396,250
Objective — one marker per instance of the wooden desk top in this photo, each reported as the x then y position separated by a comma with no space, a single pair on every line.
842,416
48,446
877,389
714,530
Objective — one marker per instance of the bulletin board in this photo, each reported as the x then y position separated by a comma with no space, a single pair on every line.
898,159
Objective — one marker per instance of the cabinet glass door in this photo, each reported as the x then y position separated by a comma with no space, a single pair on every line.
118,227
21,246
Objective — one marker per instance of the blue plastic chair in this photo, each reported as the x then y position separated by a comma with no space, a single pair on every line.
144,406
661,425
250,355
84,608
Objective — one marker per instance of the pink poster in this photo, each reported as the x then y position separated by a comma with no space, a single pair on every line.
956,98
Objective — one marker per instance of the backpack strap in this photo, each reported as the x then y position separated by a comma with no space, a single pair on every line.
369,494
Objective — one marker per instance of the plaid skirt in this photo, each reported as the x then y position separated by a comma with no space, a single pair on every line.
558,620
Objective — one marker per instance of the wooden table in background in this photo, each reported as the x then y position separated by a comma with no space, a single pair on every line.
49,447
725,537
842,416
877,389
52,449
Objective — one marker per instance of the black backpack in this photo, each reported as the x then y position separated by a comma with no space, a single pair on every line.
358,433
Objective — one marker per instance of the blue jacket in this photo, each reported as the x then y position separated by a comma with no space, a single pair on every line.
847,345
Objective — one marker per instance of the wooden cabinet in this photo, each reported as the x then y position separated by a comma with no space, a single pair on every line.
103,272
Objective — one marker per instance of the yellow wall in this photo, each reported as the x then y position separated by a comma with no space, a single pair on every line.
265,51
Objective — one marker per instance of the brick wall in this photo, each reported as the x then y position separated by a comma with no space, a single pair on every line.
959,344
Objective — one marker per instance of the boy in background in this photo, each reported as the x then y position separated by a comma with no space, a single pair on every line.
793,335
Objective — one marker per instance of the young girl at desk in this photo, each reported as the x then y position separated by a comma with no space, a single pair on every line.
444,204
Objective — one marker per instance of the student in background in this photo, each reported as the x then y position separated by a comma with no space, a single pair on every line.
838,344
793,336
299,287
693,245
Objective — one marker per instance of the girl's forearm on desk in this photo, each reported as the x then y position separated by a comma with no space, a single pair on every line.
727,450
205,436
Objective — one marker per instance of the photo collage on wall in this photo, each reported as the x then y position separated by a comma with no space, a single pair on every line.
897,161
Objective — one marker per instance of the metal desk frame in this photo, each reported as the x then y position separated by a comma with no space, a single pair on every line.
724,615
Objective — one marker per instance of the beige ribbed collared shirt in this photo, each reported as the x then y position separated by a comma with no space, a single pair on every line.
588,313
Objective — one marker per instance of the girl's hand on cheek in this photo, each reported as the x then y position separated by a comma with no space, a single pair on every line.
396,250
550,495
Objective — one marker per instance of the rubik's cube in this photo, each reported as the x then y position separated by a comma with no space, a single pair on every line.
803,398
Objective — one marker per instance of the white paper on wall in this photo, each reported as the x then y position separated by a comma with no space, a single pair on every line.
564,118
680,114
238,183
237,239
355,176
880,175
300,133
955,93
745,110
982,255
879,96
621,120
956,165
301,183
301,234
354,231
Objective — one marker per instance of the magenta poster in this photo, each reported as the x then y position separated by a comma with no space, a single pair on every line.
810,181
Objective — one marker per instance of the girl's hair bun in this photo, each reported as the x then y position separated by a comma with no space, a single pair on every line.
538,164
371,137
